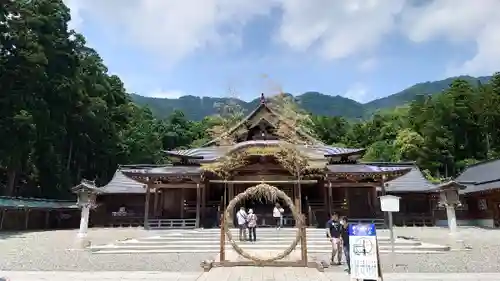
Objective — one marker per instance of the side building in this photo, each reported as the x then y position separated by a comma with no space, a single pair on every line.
481,199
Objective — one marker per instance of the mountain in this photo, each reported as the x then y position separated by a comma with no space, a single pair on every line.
425,88
196,108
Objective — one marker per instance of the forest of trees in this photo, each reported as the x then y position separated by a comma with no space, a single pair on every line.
63,117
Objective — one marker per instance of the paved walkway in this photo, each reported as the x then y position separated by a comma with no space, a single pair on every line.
233,274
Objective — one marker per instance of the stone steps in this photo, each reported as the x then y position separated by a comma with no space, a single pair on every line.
207,241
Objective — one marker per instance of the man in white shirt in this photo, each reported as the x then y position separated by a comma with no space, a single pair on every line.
241,216
278,215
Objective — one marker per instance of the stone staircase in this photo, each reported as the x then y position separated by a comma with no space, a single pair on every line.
207,241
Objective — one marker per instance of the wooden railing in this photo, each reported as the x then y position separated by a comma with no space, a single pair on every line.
402,219
379,223
121,221
171,223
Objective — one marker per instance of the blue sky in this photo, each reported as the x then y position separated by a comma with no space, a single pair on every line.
361,49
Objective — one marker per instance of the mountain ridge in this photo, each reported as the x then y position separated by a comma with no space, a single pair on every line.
196,108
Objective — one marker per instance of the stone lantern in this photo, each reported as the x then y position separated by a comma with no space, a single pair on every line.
450,199
86,193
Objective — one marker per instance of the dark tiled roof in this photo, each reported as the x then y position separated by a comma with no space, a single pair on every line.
123,184
363,168
35,203
215,152
481,176
413,181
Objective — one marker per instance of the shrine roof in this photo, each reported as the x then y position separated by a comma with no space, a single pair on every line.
479,177
412,181
35,203
364,169
213,153
263,106
120,183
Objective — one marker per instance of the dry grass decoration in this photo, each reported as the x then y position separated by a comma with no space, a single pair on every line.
292,130
271,194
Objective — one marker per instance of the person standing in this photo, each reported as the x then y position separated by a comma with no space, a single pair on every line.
344,235
242,223
333,230
252,226
278,215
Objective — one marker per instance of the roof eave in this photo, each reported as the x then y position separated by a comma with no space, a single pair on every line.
352,153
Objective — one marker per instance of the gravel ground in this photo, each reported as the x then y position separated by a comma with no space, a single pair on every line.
484,255
49,251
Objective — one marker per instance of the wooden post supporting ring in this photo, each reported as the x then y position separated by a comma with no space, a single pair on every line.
222,250
303,242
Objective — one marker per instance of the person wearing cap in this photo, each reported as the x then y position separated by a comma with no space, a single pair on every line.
252,226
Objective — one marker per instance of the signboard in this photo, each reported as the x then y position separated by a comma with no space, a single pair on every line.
363,251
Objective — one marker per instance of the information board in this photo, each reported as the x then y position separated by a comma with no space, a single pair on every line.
363,251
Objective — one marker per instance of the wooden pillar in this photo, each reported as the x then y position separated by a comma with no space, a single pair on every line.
330,211
198,203
203,203
346,200
26,219
230,197
222,242
303,242
383,193
156,202
47,219
325,197
296,197
146,203
182,203
2,218
231,191
299,190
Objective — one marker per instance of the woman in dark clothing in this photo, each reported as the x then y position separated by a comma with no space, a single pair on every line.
344,234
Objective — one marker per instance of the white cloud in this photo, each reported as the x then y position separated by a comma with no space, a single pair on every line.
171,94
357,92
340,28
460,21
172,28
334,29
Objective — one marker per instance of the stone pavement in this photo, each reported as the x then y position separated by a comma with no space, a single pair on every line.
232,274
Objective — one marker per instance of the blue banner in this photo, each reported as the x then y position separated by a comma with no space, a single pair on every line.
362,230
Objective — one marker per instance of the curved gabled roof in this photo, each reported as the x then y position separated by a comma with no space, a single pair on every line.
413,181
215,152
123,184
481,176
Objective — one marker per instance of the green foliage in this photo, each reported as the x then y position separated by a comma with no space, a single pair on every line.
196,108
63,117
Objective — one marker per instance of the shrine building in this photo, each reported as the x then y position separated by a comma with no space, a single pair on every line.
186,194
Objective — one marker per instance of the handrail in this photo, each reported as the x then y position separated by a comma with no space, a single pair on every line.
171,223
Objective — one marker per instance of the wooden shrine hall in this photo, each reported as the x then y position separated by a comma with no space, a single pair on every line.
187,193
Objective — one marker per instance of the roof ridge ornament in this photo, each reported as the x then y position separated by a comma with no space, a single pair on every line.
262,98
